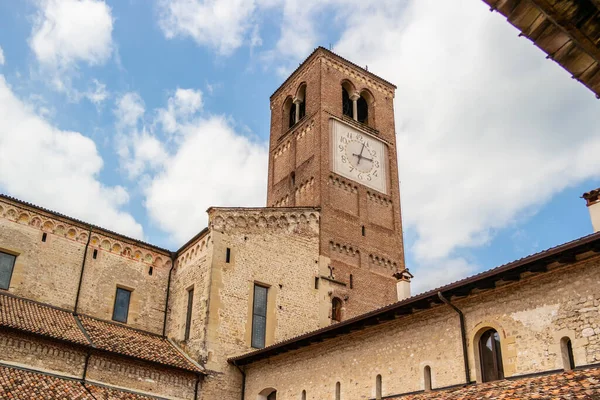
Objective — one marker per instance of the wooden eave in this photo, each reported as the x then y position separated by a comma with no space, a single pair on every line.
568,31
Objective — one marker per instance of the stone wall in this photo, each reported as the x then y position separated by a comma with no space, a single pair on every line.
276,248
531,316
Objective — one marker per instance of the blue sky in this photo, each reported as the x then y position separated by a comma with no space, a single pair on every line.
138,115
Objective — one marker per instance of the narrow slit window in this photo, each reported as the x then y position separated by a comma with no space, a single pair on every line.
44,236
336,309
316,282
427,377
304,395
566,348
363,230
338,391
121,308
150,271
228,255
351,281
188,316
378,387
259,317
95,254
7,264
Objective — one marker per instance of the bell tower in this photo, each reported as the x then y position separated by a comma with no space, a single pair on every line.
333,146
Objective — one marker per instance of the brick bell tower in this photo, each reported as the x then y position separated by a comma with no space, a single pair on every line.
333,146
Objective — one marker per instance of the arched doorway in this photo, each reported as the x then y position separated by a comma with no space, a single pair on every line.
490,356
267,394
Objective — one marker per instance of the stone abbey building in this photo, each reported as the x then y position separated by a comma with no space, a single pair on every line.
307,298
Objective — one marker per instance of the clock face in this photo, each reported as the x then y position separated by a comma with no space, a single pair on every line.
359,156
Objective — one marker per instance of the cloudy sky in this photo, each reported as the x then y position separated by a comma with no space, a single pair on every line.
137,115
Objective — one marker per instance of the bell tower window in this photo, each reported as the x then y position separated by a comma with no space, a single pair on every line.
363,110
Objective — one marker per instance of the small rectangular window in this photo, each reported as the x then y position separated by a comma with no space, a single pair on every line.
259,317
121,309
7,264
44,236
228,255
95,254
316,282
188,317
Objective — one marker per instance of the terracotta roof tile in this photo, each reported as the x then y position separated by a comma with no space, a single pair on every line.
581,384
146,346
36,318
18,384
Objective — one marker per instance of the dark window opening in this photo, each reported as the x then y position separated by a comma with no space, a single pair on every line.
567,354
7,264
490,356
293,178
427,377
259,317
188,315
378,387
316,282
95,254
362,110
228,255
347,107
44,236
272,396
121,309
302,110
338,391
292,116
351,281
150,271
304,395
363,230
336,309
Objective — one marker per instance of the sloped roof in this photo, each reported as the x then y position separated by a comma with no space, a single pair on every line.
42,319
20,384
47,321
131,342
580,384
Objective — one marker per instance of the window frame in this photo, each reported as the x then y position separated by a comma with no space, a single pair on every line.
12,269
188,313
130,291
254,315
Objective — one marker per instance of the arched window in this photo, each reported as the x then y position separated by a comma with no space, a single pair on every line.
566,348
336,309
338,391
304,395
363,110
347,107
378,387
490,356
427,377
267,394
289,113
301,97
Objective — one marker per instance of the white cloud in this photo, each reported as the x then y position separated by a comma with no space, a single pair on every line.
488,129
2,60
219,24
213,166
188,162
184,104
98,94
69,31
56,169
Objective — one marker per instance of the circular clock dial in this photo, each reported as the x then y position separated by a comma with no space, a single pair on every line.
360,156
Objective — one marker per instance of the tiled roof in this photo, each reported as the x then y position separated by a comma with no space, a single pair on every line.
123,340
581,384
30,316
33,317
19,384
